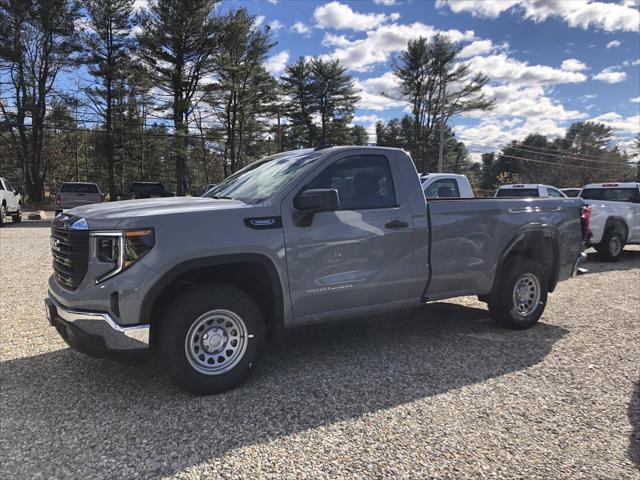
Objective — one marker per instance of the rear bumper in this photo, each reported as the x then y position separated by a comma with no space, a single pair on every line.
97,334
579,259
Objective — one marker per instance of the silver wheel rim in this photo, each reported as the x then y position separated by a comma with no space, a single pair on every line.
526,294
216,342
615,246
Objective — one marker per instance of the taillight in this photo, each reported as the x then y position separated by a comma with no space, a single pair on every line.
585,214
57,199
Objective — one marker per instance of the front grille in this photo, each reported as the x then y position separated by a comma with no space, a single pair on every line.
70,251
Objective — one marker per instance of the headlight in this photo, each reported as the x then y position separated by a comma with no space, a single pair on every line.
122,248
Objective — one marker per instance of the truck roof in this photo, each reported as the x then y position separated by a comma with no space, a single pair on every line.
526,185
613,185
424,176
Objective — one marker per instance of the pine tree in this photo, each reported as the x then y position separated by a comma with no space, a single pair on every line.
106,50
178,43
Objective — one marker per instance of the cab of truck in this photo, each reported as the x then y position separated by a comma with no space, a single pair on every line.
529,190
445,185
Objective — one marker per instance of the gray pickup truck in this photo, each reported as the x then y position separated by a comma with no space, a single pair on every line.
294,238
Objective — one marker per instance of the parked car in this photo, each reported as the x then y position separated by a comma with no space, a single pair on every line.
445,185
571,192
295,238
615,217
148,190
10,202
76,194
529,190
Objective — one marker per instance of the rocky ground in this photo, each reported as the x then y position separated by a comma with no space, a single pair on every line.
437,391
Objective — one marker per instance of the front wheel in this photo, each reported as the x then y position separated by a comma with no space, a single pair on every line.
3,214
17,217
610,248
521,296
211,338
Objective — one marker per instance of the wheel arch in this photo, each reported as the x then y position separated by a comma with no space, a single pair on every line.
253,273
533,243
617,223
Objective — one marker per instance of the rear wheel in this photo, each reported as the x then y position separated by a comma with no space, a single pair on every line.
3,214
521,296
211,338
611,246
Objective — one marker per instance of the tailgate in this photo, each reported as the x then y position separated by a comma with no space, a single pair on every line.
77,199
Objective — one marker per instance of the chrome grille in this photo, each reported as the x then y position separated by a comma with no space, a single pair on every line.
70,251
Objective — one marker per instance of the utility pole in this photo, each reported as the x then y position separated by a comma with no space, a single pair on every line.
441,148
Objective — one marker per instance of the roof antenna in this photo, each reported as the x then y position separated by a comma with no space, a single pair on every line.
322,144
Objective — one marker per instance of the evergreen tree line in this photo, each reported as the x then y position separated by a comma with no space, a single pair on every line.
177,93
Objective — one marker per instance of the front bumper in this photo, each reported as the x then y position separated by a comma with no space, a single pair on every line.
97,334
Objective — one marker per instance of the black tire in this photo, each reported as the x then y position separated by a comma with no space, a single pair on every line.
191,308
520,309
17,217
611,246
3,214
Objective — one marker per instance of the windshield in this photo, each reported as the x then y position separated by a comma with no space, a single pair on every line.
79,188
257,182
517,192
611,194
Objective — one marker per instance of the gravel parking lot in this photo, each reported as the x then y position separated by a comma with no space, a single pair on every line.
438,391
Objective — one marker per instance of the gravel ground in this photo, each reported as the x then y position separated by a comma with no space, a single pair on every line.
438,391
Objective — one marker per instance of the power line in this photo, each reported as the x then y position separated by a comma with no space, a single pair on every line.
522,149
561,151
552,163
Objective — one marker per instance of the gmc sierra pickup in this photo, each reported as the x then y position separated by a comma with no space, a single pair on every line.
294,238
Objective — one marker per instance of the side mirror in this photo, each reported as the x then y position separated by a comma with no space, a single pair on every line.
311,201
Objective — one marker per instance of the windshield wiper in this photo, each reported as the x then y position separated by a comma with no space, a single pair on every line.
220,197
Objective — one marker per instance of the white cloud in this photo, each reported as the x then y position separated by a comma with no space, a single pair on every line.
610,75
331,40
339,16
277,63
614,44
635,100
259,20
380,43
481,47
386,3
587,97
573,65
139,5
618,123
301,28
273,2
371,97
276,25
576,13
628,63
501,67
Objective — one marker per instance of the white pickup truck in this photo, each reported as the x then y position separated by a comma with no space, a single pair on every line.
10,202
445,185
615,217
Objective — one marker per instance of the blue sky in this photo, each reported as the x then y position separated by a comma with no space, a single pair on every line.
551,62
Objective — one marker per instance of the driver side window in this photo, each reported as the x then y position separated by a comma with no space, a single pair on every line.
362,182
554,193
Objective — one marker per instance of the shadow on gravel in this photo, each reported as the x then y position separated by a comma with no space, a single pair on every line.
68,415
634,419
630,259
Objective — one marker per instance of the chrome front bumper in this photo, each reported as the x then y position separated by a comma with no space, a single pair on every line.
95,327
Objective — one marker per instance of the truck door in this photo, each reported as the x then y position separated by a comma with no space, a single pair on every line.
358,258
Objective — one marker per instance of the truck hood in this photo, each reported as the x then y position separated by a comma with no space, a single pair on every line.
109,215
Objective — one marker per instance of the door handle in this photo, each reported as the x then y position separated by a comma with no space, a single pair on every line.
396,224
